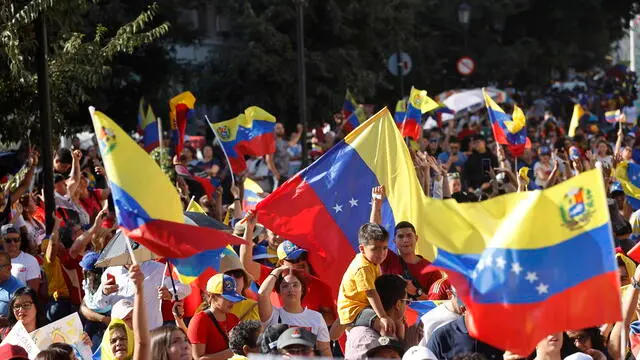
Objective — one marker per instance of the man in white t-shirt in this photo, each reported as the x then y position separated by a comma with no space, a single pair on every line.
441,315
23,266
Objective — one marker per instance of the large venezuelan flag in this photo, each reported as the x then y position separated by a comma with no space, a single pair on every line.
530,264
322,207
508,130
181,109
418,104
250,133
147,205
628,174
150,130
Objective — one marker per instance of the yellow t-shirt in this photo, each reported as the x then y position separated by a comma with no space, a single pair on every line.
357,280
56,286
248,307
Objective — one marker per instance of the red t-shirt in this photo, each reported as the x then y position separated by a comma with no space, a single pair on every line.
91,203
72,274
317,297
392,265
202,330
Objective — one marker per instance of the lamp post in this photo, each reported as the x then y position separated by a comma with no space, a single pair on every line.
302,77
45,120
464,15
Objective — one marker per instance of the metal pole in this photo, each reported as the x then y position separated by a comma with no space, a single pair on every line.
632,46
45,121
302,79
401,74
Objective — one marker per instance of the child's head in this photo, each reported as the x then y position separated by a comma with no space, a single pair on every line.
373,240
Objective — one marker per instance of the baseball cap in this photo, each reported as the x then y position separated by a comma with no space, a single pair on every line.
544,150
296,336
268,340
579,356
88,262
224,285
289,251
13,352
121,309
240,227
385,342
615,187
419,353
8,229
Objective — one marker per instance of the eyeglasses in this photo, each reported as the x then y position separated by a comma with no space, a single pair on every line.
25,306
10,240
579,338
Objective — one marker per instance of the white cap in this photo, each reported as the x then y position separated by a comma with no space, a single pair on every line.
579,356
121,309
422,353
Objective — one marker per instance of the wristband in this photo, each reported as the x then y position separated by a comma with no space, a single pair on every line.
275,276
237,199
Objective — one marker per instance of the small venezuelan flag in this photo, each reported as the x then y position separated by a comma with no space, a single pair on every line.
250,133
510,130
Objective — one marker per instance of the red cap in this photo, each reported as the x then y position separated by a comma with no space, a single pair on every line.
13,352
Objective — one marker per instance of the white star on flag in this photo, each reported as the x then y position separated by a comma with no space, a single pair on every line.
542,288
532,277
337,208
500,263
516,268
488,261
353,202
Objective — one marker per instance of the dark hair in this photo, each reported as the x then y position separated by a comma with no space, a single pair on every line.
298,276
470,356
404,225
567,348
161,341
63,155
391,288
370,232
62,346
26,291
597,340
53,354
269,337
245,333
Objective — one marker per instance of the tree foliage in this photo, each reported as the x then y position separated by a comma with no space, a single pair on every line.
80,56
347,44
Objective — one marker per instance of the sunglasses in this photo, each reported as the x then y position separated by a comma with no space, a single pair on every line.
10,240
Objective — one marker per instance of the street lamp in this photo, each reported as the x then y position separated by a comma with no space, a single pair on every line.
464,14
302,77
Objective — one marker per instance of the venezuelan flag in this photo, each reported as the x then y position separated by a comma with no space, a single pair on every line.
628,174
201,266
141,116
322,207
149,211
401,111
250,133
251,195
508,130
578,113
150,130
181,109
352,113
540,259
614,116
419,103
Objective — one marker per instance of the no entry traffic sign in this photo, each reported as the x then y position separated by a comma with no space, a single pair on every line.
465,66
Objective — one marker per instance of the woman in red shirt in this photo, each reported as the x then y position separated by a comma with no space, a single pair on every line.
208,330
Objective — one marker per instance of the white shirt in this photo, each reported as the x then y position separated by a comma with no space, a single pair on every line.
308,319
434,319
25,267
153,272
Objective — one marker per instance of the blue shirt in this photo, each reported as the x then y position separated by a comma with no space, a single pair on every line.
7,288
444,157
453,339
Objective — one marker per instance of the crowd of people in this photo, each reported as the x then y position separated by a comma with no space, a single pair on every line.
267,298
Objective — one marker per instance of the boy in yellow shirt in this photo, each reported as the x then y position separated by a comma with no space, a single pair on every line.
357,289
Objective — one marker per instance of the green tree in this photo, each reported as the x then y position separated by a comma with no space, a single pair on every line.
80,56
516,42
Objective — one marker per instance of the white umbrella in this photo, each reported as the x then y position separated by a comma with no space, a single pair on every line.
116,253
469,101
